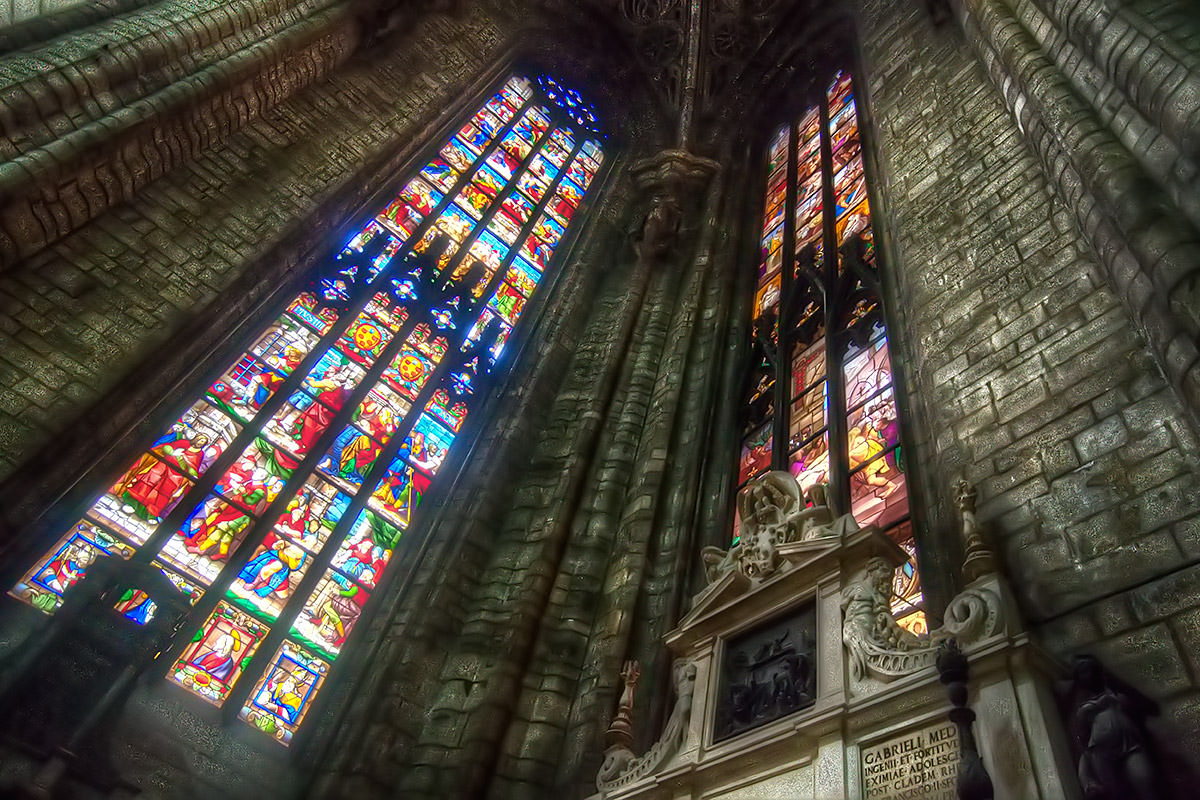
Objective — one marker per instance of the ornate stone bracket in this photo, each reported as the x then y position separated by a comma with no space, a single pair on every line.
879,650
671,179
621,765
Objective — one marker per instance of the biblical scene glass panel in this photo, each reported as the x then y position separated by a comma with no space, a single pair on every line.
277,500
821,323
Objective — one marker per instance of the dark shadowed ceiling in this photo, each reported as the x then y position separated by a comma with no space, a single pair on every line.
703,64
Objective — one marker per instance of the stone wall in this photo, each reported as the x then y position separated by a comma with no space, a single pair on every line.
12,11
1030,379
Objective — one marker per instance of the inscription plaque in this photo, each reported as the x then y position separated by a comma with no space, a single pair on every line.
920,765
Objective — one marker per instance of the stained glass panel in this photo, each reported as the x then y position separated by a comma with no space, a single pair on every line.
428,443
810,464
867,370
310,516
480,243
203,542
399,493
268,579
367,549
331,612
66,563
218,653
255,377
522,276
878,494
876,422
756,453
808,414
281,698
808,366
441,174
350,458
147,492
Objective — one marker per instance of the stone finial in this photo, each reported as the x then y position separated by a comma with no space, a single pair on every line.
620,732
977,558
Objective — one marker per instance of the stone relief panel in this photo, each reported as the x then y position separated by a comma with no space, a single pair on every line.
767,673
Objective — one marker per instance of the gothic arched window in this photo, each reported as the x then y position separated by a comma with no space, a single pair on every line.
822,383
276,499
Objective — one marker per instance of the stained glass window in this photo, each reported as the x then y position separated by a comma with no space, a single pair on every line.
277,499
822,378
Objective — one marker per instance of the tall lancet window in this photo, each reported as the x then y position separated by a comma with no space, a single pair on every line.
277,497
822,404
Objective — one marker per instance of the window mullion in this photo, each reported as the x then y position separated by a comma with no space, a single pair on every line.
205,483
464,179
300,474
839,456
494,209
282,625
783,359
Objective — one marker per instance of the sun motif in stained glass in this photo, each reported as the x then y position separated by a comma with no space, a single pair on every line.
367,337
411,369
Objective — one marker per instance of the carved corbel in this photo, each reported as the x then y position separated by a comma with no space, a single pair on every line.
672,180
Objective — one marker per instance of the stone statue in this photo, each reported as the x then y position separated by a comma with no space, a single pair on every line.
868,627
622,767
1108,722
773,512
879,649
661,227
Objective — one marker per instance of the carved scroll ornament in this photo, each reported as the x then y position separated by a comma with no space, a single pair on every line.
878,648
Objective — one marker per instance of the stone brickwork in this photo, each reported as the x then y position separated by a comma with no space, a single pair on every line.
12,11
1030,379
92,117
